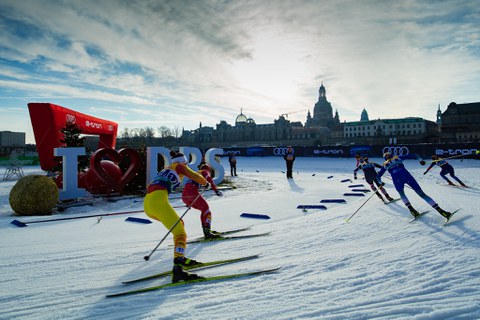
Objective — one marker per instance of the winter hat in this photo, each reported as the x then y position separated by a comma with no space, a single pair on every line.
179,158
205,167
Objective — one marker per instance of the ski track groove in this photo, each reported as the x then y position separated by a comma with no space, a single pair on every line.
377,266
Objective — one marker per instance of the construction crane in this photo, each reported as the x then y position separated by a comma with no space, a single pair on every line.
286,114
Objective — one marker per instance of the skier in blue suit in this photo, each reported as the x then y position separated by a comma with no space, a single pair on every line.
401,176
446,169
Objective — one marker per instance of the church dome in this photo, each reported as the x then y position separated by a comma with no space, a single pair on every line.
364,116
241,118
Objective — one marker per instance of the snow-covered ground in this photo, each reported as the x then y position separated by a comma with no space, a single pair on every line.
377,266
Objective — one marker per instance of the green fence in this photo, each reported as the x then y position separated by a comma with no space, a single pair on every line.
23,161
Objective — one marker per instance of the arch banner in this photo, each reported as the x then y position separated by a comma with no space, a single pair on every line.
47,121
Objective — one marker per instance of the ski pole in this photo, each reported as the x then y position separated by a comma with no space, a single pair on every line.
455,156
362,205
147,257
24,224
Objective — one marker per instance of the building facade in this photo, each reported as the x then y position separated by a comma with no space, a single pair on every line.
406,130
461,122
318,129
10,141
9,138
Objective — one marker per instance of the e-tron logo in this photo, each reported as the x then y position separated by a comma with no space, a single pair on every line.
332,151
396,151
454,152
281,151
91,124
71,118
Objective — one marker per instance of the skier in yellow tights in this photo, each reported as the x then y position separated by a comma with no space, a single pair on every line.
157,206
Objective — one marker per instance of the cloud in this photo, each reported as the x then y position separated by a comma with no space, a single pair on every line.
179,63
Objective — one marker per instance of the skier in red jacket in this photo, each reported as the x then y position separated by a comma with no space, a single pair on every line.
190,193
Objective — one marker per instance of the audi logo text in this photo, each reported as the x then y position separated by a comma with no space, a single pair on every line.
234,152
396,151
71,118
281,151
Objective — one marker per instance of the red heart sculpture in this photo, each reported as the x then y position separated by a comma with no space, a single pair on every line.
115,157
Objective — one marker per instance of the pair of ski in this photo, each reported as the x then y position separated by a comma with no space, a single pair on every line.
200,266
423,212
225,235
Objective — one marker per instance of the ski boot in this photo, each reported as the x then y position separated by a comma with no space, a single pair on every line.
381,198
463,184
450,183
444,213
389,198
210,234
185,262
413,212
178,274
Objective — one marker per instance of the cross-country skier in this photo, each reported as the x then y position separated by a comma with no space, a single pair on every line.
446,169
371,177
358,158
157,206
401,176
190,193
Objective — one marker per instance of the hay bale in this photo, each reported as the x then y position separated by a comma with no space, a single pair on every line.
33,195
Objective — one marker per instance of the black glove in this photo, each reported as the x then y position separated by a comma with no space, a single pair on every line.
207,186
219,193
422,162
355,177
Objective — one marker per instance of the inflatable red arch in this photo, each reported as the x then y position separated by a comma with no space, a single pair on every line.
47,121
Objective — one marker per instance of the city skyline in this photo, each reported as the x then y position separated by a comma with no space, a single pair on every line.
176,64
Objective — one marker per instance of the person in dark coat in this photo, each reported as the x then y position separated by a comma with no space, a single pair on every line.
233,165
289,159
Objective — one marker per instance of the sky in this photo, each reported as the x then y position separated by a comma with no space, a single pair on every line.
178,63
376,266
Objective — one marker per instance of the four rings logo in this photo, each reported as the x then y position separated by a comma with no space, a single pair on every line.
281,151
71,118
396,151
233,152
93,125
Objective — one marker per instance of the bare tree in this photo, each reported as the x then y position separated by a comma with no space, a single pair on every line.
135,132
164,131
125,134
149,132
176,131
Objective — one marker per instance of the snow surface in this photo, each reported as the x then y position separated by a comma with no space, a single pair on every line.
377,266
